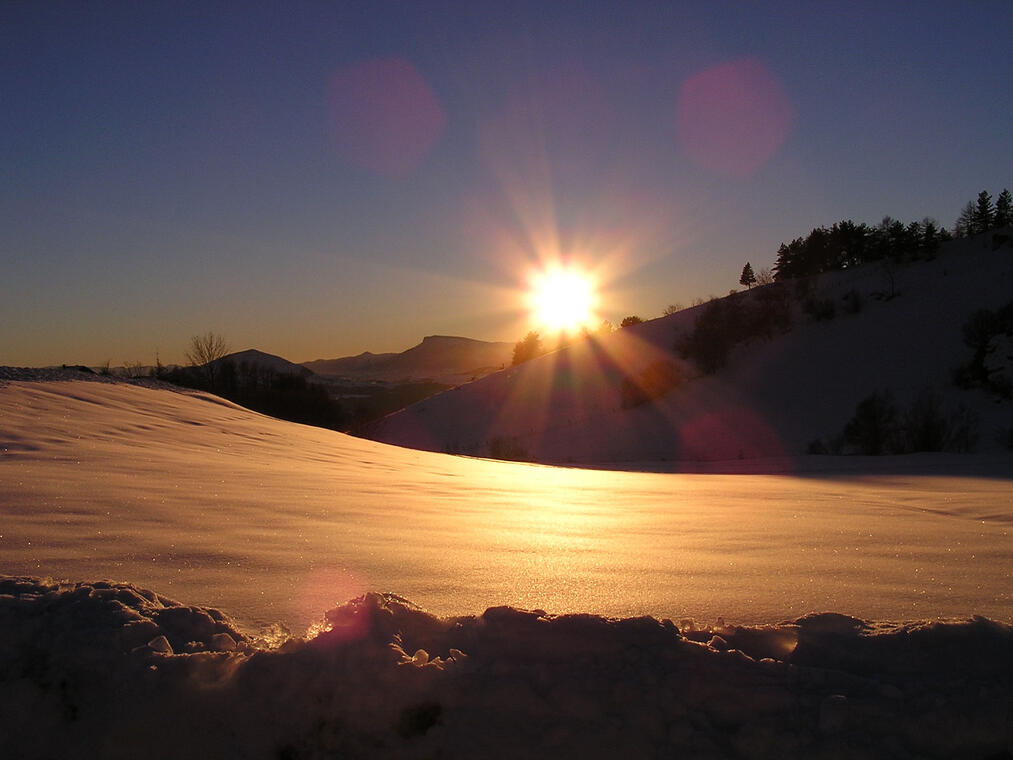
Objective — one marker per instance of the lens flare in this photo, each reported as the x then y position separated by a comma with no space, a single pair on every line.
734,117
384,115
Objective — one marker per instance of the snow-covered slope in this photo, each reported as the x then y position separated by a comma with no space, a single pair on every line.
773,398
273,522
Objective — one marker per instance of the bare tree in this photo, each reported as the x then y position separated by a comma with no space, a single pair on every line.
764,277
204,353
134,369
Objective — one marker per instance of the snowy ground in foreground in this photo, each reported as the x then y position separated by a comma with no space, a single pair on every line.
273,522
97,670
276,522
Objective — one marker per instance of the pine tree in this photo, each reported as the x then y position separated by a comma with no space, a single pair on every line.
1003,209
748,278
984,213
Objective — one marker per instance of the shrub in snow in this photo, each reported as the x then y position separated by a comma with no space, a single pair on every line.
852,301
740,317
817,447
873,430
929,427
721,325
820,309
879,426
989,334
772,312
502,447
657,379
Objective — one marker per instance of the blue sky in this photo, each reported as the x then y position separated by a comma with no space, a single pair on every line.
170,168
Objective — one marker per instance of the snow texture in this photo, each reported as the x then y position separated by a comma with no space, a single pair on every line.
114,671
276,522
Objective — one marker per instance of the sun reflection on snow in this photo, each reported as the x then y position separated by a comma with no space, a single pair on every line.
329,589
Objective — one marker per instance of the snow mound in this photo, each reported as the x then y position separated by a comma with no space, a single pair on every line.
112,670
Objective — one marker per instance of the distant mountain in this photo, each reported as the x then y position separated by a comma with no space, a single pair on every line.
350,366
252,356
440,358
836,339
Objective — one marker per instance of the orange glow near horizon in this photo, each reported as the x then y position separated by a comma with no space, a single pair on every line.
563,299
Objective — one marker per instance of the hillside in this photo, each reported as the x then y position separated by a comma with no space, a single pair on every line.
253,357
774,397
439,358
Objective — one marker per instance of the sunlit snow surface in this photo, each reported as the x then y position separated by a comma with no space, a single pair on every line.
213,505
276,522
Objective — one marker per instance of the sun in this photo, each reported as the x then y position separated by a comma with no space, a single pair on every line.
562,299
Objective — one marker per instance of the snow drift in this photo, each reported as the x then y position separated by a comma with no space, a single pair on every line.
115,671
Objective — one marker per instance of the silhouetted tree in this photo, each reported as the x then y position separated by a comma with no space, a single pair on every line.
747,278
717,329
204,353
630,321
978,331
851,243
889,267
764,277
134,369
964,226
773,310
785,262
672,308
1004,209
874,429
928,426
930,238
895,240
528,348
984,213
845,244
654,381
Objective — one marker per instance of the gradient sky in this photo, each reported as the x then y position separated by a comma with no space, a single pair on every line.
316,179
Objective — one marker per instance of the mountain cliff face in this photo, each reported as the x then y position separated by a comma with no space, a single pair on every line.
441,358
630,396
